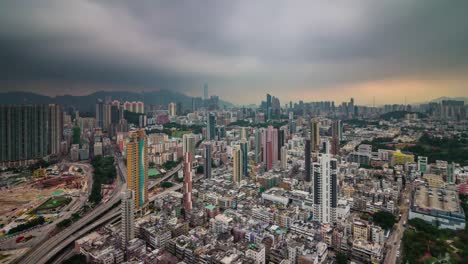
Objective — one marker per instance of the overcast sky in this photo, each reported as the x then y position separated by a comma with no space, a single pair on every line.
297,50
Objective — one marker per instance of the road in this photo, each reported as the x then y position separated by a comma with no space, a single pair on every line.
165,177
171,189
112,215
55,242
58,242
394,241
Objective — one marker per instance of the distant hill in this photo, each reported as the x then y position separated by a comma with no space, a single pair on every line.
399,115
87,103
440,99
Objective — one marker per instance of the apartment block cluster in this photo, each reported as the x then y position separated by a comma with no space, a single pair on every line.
286,185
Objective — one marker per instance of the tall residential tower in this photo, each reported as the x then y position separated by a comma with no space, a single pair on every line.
137,167
325,189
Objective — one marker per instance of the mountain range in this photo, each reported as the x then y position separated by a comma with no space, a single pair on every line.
87,103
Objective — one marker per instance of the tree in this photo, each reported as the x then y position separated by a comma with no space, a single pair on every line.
104,173
384,219
200,169
30,224
341,258
166,184
76,135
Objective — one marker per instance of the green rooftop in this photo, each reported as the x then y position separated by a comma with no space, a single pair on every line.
153,173
57,192
210,207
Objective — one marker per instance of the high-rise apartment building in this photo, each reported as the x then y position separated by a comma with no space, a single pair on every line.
207,167
137,167
24,132
258,145
135,107
336,137
270,146
244,133
103,114
315,134
205,92
127,206
172,109
210,126
325,189
55,128
236,164
100,113
187,191
284,157
244,153
188,144
268,106
307,161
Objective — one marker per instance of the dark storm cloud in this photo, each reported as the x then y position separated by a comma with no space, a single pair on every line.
231,44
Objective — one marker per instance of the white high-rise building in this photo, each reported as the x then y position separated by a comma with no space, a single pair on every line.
284,157
172,109
325,189
128,217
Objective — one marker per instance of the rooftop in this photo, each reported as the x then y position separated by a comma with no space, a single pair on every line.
427,198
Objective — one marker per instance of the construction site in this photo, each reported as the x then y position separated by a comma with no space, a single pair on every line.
45,191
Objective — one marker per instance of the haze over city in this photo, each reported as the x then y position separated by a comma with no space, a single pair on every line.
300,50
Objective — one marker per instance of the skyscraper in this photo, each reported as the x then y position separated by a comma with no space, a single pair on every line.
236,164
258,145
116,114
336,137
273,132
100,113
270,146
210,126
268,106
188,144
207,168
244,133
307,177
23,132
315,134
205,92
281,134
137,167
325,189
187,191
284,157
127,212
172,109
244,153
55,128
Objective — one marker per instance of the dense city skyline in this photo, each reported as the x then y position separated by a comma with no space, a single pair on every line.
233,132
390,50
